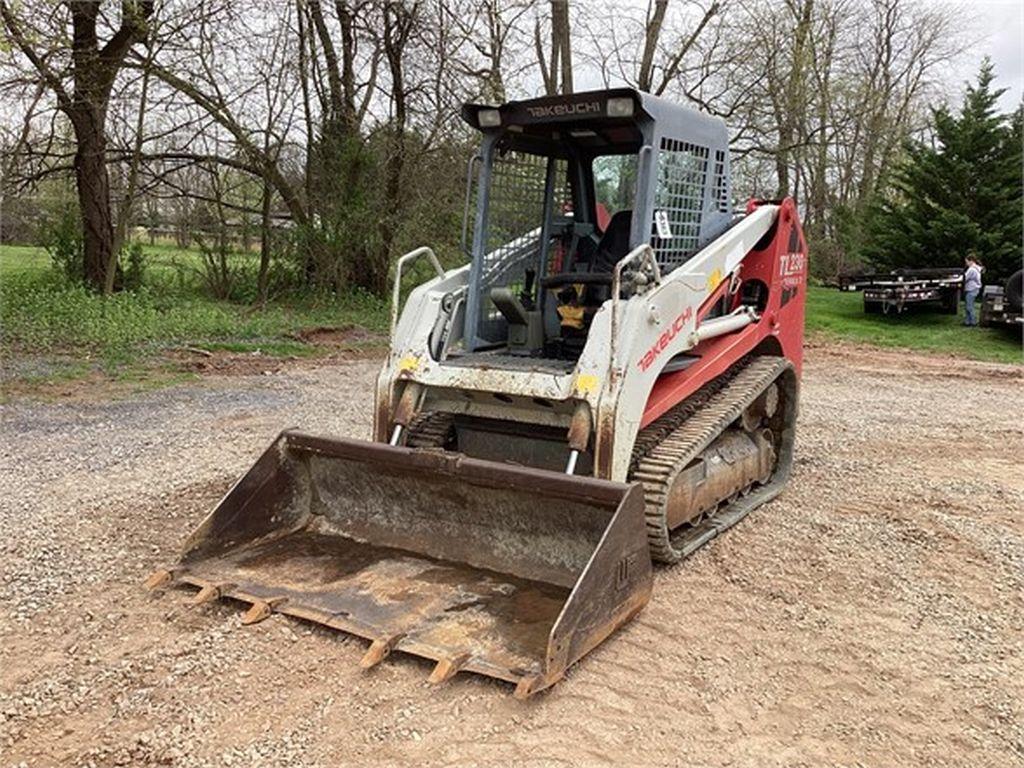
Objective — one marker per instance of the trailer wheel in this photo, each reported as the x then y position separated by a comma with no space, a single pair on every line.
1014,289
951,302
873,308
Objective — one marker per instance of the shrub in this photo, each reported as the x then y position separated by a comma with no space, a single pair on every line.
62,238
226,272
133,267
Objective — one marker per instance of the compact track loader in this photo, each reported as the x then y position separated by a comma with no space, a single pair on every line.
611,379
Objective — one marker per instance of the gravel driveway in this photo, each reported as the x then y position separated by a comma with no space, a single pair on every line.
873,615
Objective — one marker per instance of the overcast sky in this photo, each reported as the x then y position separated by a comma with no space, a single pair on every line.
1000,31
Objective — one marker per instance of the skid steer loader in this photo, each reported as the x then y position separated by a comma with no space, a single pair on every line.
611,379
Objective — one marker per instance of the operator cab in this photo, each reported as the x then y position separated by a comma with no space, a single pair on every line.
564,188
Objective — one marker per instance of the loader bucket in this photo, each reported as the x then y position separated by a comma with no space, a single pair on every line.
497,569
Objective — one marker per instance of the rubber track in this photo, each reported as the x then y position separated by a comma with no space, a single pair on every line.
667,453
650,436
429,430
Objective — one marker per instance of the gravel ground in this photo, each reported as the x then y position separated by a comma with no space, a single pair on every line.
871,616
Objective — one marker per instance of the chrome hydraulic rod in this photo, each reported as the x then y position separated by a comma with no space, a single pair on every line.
719,326
570,467
396,435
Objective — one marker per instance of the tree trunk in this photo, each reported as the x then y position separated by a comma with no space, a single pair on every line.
93,184
330,59
548,75
261,281
651,34
349,114
398,23
793,97
781,167
567,81
561,55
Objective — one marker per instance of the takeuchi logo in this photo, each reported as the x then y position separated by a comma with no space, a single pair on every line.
665,339
558,110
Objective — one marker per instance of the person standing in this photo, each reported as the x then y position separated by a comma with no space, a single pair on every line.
972,287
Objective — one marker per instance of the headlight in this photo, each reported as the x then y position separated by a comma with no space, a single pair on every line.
620,107
488,118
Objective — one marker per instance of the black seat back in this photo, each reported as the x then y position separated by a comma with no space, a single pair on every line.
614,243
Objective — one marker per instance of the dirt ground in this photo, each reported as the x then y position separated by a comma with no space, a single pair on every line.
873,615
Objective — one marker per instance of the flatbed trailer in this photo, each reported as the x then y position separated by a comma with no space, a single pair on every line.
895,292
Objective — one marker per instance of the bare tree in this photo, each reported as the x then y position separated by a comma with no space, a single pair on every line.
81,80
399,20
201,76
556,68
657,50
333,114
652,32
491,32
131,185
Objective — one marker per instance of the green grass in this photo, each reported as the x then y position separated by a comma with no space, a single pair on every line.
18,260
44,316
840,315
41,317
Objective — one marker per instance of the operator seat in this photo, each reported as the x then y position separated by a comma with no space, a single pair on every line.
612,247
582,291
614,243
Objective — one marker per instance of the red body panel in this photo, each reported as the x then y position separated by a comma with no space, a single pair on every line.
781,264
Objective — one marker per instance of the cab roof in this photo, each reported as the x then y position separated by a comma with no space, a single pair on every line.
606,120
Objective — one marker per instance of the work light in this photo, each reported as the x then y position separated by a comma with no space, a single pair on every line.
489,118
620,107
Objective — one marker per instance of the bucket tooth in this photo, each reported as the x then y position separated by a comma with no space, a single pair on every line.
209,593
529,685
379,650
158,579
446,669
261,610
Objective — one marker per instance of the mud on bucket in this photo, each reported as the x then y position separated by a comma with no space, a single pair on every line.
498,569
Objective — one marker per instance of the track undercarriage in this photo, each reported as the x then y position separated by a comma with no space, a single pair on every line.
710,461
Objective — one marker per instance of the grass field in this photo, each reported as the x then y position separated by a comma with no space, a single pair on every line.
52,330
835,314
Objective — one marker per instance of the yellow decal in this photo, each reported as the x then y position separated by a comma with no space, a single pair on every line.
587,383
409,363
714,279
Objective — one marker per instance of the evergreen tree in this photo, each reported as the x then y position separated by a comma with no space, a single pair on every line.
958,193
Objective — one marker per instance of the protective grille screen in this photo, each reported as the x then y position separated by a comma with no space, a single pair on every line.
678,202
515,217
721,186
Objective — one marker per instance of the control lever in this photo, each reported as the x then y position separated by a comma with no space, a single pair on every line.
526,295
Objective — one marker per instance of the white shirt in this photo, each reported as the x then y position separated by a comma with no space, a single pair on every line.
972,279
